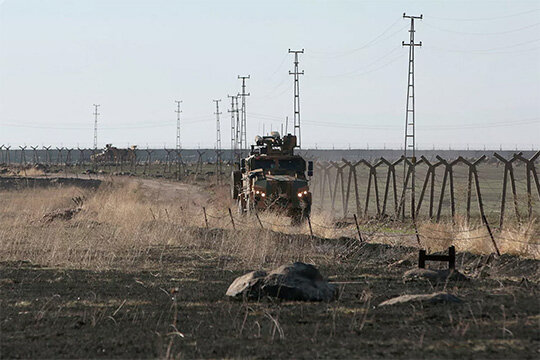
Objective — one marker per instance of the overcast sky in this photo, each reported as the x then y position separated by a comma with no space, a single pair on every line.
477,73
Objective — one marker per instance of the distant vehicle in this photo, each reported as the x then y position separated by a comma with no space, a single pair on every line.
273,178
112,154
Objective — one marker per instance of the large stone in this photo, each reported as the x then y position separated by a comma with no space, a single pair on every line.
435,298
434,275
297,281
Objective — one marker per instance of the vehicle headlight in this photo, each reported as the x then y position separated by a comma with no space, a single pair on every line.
259,191
302,193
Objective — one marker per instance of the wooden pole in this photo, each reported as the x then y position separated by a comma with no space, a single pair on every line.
205,217
432,194
503,197
416,230
356,191
469,193
375,183
358,229
514,192
310,228
443,187
491,235
343,191
348,192
367,196
386,188
259,220
232,219
401,208
452,197
323,186
422,193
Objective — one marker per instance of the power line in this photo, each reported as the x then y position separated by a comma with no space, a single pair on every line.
357,73
527,121
483,33
487,51
366,45
424,128
487,18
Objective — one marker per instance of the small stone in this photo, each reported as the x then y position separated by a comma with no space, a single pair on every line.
434,298
434,275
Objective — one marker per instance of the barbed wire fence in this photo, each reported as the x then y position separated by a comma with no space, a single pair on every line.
447,190
166,163
501,187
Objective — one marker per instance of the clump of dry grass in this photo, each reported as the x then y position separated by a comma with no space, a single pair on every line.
516,239
523,240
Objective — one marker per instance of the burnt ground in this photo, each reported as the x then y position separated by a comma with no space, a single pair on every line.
179,310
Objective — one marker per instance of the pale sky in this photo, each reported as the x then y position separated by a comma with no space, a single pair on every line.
477,73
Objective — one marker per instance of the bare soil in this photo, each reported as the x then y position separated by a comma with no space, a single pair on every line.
69,313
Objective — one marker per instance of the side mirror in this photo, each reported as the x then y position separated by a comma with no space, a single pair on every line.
310,168
243,166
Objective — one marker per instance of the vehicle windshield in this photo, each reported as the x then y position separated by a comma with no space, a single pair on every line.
298,165
264,164
288,166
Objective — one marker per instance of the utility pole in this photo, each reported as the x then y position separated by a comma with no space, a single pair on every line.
218,127
178,111
410,121
233,127
96,114
296,73
243,131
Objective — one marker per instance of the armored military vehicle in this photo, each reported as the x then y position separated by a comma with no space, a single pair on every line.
273,178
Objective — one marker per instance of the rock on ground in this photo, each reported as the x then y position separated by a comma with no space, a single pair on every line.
434,275
297,281
435,298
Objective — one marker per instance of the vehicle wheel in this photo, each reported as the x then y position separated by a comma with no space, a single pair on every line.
236,178
251,206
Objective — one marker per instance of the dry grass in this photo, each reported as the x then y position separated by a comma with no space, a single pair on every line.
123,225
516,239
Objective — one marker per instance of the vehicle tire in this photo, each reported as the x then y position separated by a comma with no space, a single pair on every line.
236,179
250,207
